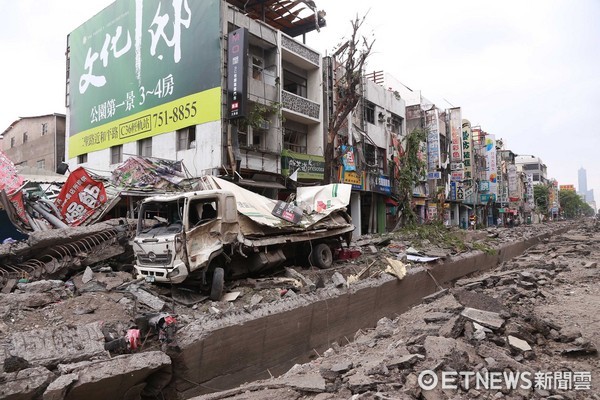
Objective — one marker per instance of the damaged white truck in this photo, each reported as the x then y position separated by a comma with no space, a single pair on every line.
224,231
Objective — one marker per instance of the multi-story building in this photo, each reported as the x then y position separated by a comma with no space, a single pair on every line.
530,164
510,184
222,86
37,142
417,107
366,146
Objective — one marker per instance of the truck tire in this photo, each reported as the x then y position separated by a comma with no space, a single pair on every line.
218,282
321,256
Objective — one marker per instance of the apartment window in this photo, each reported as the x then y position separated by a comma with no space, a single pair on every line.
294,139
44,128
41,164
116,154
24,137
370,112
12,142
380,160
375,158
186,138
242,136
259,138
396,124
294,83
257,68
82,158
531,167
145,147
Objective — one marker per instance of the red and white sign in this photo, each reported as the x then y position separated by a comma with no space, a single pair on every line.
80,197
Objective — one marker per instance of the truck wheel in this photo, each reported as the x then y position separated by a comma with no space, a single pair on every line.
321,256
218,282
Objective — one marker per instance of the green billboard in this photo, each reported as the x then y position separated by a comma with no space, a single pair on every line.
141,68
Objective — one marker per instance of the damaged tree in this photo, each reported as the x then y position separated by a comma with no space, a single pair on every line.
347,85
412,168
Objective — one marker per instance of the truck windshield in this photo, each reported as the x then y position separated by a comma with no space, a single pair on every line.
161,217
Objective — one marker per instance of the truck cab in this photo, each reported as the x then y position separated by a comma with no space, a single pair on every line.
179,235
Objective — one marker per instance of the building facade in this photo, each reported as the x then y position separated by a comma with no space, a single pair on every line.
226,91
37,142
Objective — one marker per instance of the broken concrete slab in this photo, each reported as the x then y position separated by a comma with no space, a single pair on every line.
404,361
26,384
40,286
146,298
437,348
49,347
255,299
88,275
518,344
437,316
292,273
359,382
583,348
312,382
435,296
57,390
30,300
342,367
112,379
453,328
231,296
486,318
478,301
113,280
503,360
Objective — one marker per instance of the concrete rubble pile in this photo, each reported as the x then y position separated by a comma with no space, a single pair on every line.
514,318
59,253
100,333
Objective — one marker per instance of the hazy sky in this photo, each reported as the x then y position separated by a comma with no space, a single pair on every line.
526,71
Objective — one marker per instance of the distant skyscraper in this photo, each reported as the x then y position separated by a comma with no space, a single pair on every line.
582,189
581,181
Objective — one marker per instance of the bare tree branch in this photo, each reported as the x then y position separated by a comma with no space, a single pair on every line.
351,59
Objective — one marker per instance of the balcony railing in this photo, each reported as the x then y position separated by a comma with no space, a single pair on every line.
298,48
300,105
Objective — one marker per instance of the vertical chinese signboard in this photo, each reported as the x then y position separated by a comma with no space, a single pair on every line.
142,68
456,140
468,159
491,166
433,146
456,155
530,192
237,74
513,188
